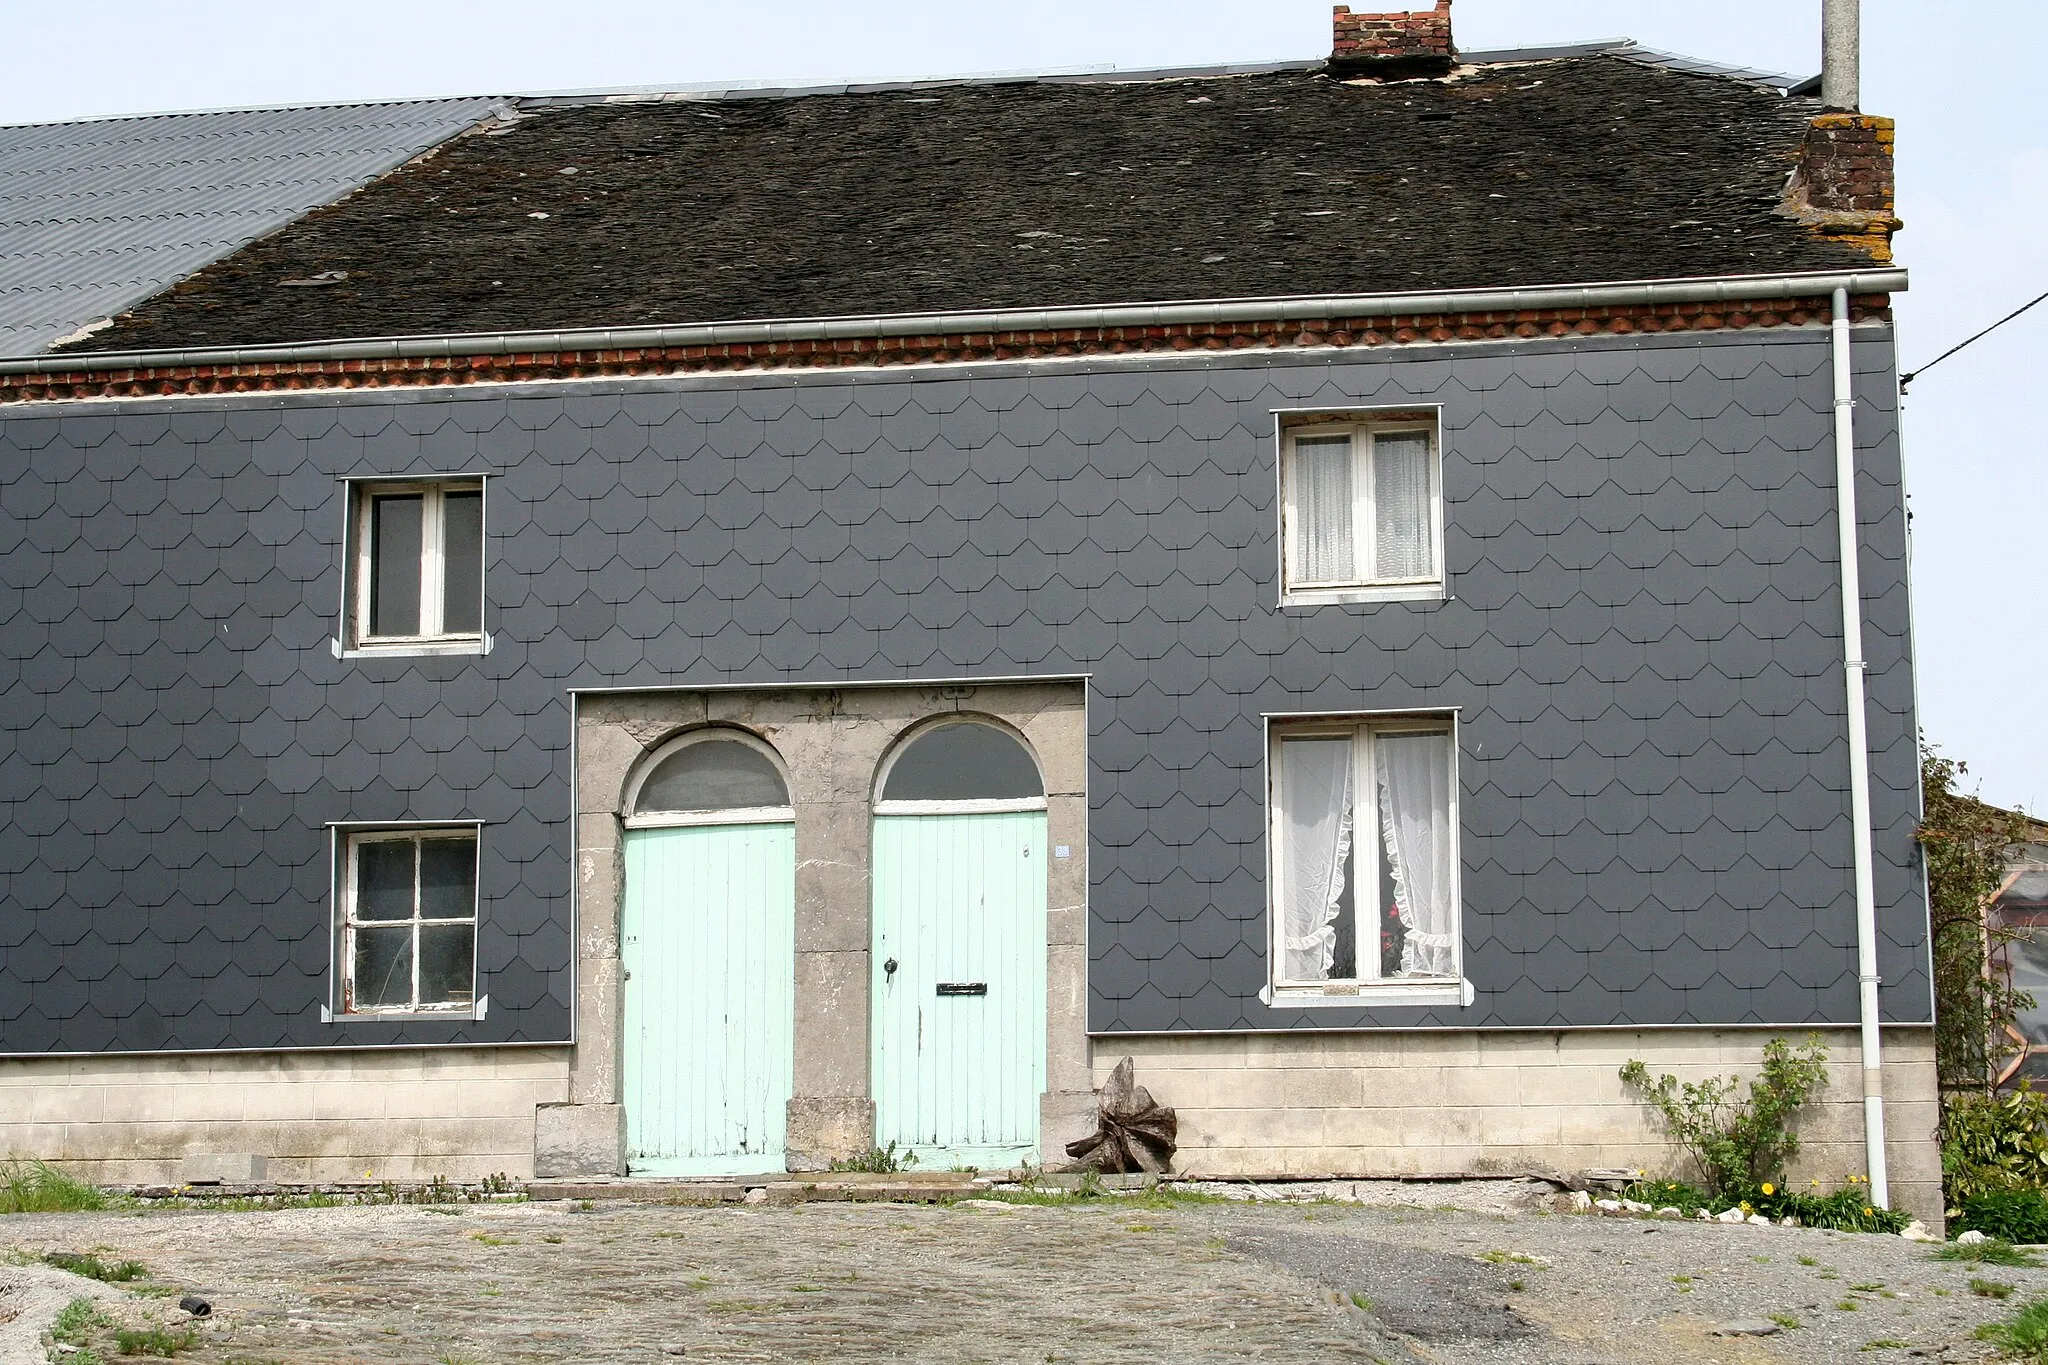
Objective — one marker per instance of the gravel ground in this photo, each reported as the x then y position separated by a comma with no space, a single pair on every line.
1105,1280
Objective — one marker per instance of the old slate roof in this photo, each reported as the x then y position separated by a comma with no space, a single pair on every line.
1035,193
97,215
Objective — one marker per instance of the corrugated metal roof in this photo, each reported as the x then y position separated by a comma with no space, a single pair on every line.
97,215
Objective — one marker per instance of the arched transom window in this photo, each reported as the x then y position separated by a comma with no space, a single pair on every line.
960,766
710,777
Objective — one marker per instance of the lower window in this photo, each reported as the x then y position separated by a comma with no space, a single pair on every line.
1364,854
409,922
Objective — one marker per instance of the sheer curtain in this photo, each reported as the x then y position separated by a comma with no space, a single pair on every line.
1401,506
1415,815
1323,509
1315,841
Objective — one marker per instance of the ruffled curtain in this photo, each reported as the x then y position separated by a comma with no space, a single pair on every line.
1323,509
1402,539
1315,843
1415,815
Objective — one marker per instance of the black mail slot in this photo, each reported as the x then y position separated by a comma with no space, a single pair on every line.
963,988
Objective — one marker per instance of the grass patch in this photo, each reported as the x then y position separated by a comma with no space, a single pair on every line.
78,1320
154,1341
491,1241
1846,1306
1872,1288
1808,1260
1787,1321
1510,1258
38,1187
89,1264
1159,1197
1993,1252
1883,1344
735,1306
1990,1289
1361,1302
2023,1336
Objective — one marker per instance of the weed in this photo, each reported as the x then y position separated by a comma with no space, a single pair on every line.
1787,1321
552,1239
1883,1344
1737,1143
1141,1227
1990,1289
807,1289
491,1241
1681,1279
1515,1285
1510,1258
1829,1274
734,1306
1846,1306
38,1187
1361,1302
2024,1335
92,1267
453,1358
76,1322
154,1341
878,1160
1993,1252
1808,1260
1872,1288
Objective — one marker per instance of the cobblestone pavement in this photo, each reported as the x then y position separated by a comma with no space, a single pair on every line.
1104,1280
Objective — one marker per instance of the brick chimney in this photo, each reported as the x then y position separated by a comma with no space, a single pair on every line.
1391,46
1844,185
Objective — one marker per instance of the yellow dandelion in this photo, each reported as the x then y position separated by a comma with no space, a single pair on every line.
1867,1210
1769,1188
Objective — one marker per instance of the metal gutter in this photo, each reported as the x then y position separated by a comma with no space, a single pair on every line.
1311,308
1854,670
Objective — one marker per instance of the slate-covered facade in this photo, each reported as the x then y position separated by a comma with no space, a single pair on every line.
829,537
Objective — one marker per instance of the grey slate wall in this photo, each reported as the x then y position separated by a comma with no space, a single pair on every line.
1644,643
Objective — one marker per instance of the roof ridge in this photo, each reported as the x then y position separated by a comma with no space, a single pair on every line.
308,106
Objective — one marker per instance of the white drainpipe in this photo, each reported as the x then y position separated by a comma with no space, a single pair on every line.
1859,755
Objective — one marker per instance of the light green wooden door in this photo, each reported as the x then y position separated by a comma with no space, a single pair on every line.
959,1036
709,949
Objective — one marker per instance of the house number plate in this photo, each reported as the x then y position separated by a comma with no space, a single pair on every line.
963,988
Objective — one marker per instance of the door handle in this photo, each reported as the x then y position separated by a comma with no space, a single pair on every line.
963,988
889,969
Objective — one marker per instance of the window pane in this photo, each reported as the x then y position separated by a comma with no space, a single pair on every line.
462,541
1414,774
1314,855
384,879
447,878
1400,502
395,566
447,964
1323,509
713,774
963,762
383,968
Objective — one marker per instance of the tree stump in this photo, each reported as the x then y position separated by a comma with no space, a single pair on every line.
1133,1132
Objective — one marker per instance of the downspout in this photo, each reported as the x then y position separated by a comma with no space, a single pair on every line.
1854,671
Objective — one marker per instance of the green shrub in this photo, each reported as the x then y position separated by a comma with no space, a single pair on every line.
1738,1144
1993,1252
92,1267
1994,1142
2019,1214
1846,1210
38,1187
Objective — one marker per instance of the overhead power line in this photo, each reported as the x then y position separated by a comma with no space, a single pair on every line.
1908,378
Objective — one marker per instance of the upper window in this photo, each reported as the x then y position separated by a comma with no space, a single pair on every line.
961,762
711,777
1364,856
1362,509
409,922
418,576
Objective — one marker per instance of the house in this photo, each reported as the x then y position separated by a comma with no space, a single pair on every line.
704,633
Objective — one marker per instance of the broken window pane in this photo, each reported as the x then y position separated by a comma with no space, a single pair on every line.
395,565
963,762
383,968
712,774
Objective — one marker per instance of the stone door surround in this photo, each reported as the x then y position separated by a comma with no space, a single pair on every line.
833,742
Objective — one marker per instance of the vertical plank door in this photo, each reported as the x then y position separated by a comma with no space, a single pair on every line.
709,950
959,903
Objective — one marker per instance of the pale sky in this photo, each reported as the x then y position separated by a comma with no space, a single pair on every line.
1973,185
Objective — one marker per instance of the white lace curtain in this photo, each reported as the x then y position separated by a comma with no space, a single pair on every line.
1401,506
1415,804
1315,843
1324,509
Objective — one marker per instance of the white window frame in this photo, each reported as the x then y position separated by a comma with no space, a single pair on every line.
1362,428
431,638
350,841
728,815
1368,988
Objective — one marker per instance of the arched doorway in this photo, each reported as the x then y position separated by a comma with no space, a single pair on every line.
708,943
959,955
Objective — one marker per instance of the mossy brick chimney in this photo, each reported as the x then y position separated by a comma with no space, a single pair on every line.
1391,46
